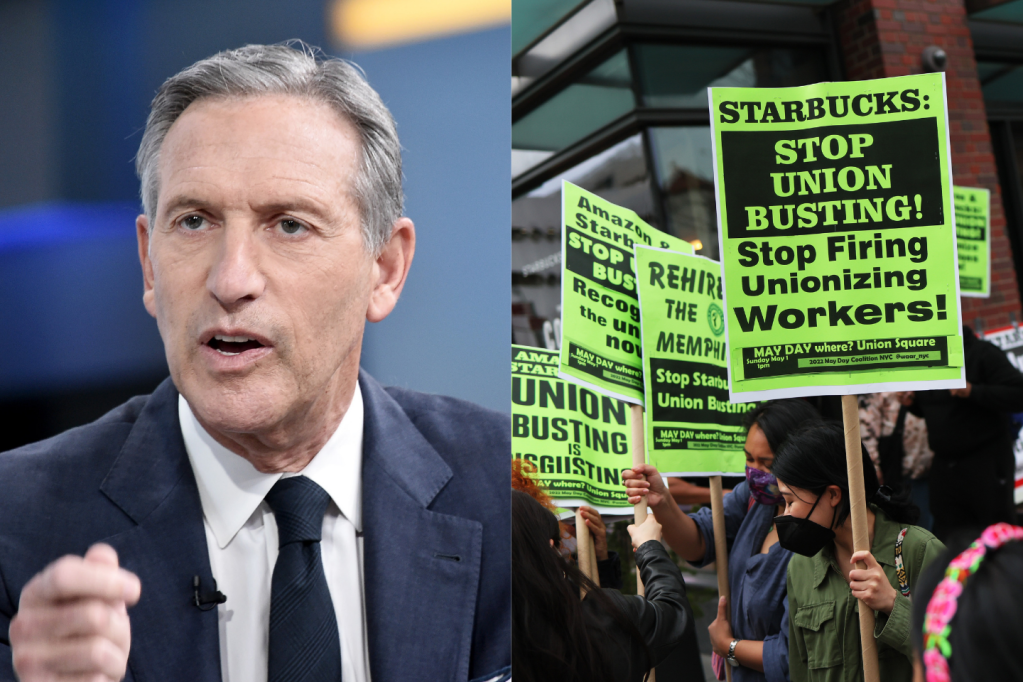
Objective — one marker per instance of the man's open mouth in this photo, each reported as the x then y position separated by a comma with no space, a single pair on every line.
233,345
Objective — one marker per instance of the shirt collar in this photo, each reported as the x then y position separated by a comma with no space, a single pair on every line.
883,547
823,560
231,489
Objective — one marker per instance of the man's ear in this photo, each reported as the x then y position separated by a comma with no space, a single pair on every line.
148,294
391,269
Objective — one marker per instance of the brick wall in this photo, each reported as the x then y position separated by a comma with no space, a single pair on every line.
880,38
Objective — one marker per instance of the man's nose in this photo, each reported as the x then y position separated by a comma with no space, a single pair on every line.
236,277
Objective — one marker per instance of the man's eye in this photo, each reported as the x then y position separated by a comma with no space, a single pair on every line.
290,226
193,222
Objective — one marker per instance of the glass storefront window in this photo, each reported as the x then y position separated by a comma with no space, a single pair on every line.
590,103
685,175
618,174
530,18
1000,81
677,76
663,172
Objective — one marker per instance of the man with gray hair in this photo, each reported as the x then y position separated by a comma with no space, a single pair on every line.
270,512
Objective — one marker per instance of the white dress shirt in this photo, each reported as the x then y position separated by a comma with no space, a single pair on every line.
241,534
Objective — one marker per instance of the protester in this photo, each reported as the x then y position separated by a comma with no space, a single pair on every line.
609,564
979,600
823,582
756,640
897,444
972,433
605,636
523,481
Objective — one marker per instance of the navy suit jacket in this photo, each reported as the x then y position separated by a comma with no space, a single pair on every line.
436,533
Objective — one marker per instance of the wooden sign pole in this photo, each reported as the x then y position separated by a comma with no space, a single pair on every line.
584,549
639,457
720,550
860,532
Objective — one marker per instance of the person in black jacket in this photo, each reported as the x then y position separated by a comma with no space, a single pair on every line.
971,433
605,636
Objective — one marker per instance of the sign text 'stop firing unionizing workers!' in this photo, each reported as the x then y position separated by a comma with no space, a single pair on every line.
837,236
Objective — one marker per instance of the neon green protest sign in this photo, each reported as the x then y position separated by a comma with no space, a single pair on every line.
691,427
973,237
578,440
837,237
600,341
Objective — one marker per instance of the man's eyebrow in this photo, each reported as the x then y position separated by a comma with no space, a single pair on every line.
292,205
184,201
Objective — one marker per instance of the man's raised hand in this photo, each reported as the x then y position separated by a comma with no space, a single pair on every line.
72,621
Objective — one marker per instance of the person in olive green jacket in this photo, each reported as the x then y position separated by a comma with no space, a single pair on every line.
825,589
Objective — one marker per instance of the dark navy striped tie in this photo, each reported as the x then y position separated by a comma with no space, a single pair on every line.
304,641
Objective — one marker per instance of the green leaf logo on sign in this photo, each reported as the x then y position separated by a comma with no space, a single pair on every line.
716,319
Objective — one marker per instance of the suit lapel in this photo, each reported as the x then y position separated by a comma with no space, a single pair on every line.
152,481
421,567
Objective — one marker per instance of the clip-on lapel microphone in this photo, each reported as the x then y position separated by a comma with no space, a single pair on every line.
206,601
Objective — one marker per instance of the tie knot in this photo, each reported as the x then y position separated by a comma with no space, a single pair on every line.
298,505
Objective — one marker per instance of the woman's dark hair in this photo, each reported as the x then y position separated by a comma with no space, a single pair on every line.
813,458
551,637
778,418
988,626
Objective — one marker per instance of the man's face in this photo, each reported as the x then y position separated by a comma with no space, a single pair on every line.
255,268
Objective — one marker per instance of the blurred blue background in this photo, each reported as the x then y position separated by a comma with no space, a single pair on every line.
76,79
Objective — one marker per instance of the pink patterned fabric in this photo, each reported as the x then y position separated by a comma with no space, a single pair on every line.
944,602
878,414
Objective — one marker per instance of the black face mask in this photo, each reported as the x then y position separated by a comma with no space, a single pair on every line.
803,536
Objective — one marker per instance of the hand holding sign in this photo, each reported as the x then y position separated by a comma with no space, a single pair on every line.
645,532
870,584
644,481
720,630
598,531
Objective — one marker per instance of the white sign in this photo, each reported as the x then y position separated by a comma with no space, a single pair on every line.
1010,340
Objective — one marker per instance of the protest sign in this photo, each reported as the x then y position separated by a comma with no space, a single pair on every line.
1010,340
837,237
691,427
578,440
973,237
600,344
